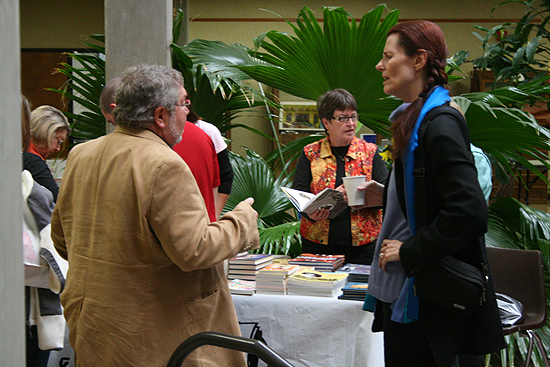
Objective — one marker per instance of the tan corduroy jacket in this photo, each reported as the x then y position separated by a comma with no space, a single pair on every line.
145,264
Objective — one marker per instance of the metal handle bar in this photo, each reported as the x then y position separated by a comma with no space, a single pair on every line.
253,346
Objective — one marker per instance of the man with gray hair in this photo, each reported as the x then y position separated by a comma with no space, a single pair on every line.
145,263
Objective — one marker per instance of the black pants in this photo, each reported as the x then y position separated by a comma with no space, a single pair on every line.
405,344
408,345
35,356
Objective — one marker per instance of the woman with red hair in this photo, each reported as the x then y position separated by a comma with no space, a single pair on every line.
434,208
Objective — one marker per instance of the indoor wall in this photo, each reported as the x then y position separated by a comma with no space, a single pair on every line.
64,25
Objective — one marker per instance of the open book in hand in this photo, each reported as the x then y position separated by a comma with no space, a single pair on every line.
306,202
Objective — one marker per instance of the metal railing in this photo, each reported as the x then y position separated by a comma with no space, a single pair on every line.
247,345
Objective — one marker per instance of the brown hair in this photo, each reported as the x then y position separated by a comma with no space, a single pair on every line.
336,99
25,123
414,36
192,115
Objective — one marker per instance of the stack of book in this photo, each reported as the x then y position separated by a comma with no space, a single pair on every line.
272,278
316,283
354,291
246,266
318,261
244,287
357,272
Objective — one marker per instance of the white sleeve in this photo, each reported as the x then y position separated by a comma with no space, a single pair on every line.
214,133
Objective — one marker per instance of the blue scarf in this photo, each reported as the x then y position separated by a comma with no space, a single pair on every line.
405,308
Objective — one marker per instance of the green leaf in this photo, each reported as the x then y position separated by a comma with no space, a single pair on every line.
532,47
253,178
518,58
528,227
311,63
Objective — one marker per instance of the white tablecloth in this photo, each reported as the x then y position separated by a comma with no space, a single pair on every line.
314,331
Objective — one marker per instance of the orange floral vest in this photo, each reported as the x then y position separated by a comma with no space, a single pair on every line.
365,223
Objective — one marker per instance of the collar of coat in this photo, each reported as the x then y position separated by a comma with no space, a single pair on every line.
140,133
326,150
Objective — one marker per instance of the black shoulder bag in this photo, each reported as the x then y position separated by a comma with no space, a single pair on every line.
450,283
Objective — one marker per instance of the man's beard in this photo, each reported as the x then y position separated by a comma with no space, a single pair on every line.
176,135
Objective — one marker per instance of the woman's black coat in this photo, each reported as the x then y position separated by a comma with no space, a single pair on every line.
451,217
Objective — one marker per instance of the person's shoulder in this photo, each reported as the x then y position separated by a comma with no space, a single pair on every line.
206,125
360,145
31,158
34,164
449,111
445,120
214,133
209,128
363,143
315,147
317,144
197,131
194,138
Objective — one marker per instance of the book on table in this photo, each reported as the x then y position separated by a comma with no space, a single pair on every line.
272,278
243,276
321,262
316,283
306,202
246,266
240,286
271,287
279,270
280,259
357,272
250,259
354,291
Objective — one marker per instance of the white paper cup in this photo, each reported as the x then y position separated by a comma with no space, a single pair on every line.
355,197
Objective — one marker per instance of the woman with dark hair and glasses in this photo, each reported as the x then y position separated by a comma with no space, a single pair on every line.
322,164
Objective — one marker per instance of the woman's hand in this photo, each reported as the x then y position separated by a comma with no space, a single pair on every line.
389,252
319,214
374,194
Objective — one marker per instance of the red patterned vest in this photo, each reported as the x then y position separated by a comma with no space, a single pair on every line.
365,223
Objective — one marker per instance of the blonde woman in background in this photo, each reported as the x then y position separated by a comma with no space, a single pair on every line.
48,129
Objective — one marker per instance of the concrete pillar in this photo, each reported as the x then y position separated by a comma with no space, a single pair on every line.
12,306
136,32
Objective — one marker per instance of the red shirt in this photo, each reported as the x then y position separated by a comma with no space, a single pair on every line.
197,150
32,149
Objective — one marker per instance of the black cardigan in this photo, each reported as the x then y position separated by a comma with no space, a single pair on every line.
40,172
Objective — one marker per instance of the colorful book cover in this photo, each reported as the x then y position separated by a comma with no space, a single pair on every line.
251,259
314,277
285,269
239,286
317,258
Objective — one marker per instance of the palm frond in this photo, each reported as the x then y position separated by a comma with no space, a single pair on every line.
290,153
83,87
509,135
529,226
281,239
253,178
340,54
